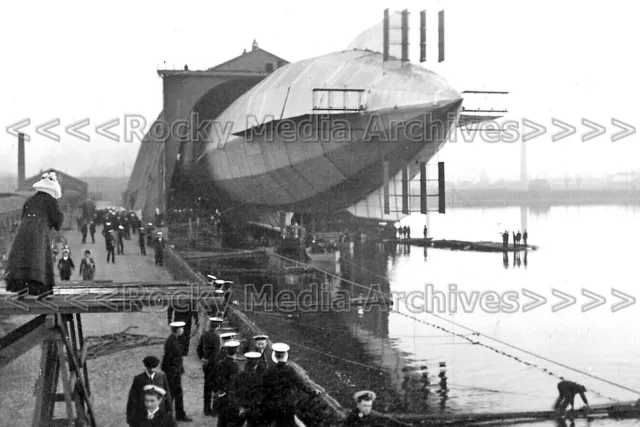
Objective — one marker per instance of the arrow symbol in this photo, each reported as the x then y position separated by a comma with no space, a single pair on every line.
104,300
43,129
103,129
567,299
597,300
627,130
40,300
14,301
568,130
539,300
72,299
72,129
14,128
538,130
596,130
627,300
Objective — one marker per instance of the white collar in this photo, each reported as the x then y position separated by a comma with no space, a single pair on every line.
150,375
151,414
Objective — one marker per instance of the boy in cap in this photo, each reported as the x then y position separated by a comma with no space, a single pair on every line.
158,247
173,368
207,350
150,229
154,415
150,376
281,388
247,392
65,266
87,266
225,370
183,315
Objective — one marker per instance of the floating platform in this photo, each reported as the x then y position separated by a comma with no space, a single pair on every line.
620,410
412,242
463,245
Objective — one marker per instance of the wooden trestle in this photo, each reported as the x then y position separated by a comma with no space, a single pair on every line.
57,328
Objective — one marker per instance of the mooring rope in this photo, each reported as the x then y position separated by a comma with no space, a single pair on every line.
483,335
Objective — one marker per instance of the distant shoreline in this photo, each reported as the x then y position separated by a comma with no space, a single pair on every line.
460,198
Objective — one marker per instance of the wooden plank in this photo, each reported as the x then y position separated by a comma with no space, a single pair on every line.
20,345
66,383
92,303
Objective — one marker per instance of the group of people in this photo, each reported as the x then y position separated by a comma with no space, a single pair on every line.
404,232
517,238
119,226
267,390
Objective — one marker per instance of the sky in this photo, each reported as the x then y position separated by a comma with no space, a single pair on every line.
72,60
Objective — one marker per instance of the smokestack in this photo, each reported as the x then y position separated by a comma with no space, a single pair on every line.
405,36
423,36
441,36
21,172
385,36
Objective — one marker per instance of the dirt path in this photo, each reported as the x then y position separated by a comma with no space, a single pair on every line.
110,376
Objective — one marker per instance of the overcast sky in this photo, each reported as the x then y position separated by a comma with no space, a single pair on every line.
566,60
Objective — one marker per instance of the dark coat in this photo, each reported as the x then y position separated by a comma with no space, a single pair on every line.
225,369
209,346
87,269
263,362
158,244
246,390
172,359
357,418
281,388
160,419
31,258
136,411
65,266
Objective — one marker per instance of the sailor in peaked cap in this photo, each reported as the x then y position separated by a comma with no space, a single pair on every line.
361,414
280,382
280,352
208,349
173,367
225,371
155,414
261,348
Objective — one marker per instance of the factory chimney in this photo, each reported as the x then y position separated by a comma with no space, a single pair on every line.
21,161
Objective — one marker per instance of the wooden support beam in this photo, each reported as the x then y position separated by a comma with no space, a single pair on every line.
23,339
66,383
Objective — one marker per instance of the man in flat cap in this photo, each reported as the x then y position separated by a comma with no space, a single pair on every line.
282,386
172,366
158,247
154,414
247,391
150,376
207,350
141,241
361,415
225,370
261,348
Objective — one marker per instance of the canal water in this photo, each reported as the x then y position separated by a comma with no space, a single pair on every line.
469,310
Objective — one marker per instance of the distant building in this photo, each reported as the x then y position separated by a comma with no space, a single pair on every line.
539,185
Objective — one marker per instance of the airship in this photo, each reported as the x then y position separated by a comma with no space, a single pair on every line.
323,134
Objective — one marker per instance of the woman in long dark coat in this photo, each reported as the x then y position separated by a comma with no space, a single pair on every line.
30,264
